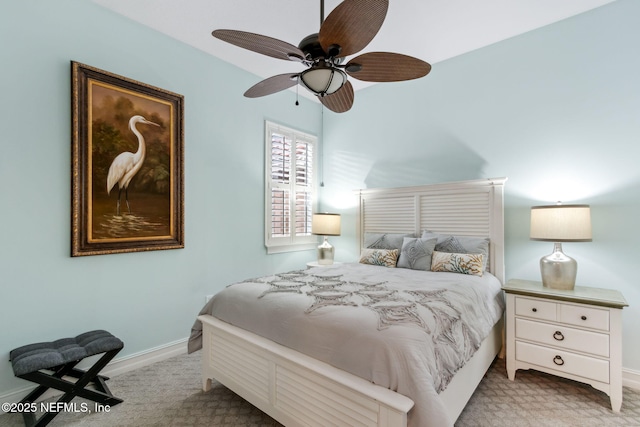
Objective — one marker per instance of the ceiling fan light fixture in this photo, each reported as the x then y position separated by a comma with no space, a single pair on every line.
323,80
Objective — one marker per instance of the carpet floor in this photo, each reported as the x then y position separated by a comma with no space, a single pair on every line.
168,393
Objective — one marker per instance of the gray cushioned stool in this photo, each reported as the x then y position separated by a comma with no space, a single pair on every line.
31,362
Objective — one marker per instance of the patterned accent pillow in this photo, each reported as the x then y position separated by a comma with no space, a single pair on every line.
385,240
460,244
457,263
452,245
416,253
383,257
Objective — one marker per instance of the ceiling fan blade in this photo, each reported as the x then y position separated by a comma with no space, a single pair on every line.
352,25
261,44
339,101
386,67
272,85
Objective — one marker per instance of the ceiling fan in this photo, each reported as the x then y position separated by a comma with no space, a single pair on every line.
347,30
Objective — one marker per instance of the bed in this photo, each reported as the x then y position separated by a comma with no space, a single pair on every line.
346,344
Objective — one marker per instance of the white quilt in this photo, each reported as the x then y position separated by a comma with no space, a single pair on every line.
407,330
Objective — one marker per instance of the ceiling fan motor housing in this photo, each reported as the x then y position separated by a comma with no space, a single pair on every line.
311,47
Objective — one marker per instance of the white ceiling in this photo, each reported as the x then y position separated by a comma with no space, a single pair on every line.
432,30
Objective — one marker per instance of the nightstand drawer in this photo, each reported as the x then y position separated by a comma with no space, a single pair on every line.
563,361
563,337
535,308
587,317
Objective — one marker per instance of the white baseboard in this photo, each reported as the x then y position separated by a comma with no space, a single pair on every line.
631,378
144,358
116,367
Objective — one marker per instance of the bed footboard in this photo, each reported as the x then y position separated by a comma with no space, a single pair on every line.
293,388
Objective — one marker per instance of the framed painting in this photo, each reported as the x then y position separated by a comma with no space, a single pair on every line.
127,165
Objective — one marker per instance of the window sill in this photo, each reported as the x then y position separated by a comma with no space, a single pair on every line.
291,248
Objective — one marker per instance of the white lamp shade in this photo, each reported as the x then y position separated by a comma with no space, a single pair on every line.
561,223
326,224
323,80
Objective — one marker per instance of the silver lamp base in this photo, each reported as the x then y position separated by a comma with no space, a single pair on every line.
558,270
325,253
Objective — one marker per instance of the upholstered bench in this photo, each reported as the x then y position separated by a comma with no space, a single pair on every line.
51,363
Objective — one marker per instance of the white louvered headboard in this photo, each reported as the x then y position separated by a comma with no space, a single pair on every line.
470,208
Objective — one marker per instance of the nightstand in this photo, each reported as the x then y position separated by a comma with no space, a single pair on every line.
573,334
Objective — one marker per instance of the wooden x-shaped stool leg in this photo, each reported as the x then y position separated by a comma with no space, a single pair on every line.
71,389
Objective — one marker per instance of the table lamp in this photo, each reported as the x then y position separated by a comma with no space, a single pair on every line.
560,223
325,224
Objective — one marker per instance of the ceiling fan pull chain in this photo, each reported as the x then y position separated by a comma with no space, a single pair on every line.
297,85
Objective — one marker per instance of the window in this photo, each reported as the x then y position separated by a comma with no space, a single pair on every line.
290,188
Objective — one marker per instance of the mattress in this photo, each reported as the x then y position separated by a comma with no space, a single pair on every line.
406,330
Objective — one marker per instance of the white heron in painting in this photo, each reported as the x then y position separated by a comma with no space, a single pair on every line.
125,166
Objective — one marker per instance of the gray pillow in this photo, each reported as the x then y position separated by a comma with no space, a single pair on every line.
416,253
460,244
385,240
451,245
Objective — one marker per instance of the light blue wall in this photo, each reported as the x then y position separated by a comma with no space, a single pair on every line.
556,110
147,299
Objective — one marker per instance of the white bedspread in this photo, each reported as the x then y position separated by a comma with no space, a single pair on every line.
403,329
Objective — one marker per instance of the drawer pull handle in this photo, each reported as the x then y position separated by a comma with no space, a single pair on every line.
583,317
534,309
558,361
558,336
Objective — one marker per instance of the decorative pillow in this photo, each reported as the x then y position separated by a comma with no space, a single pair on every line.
416,253
385,240
452,245
461,244
457,263
383,257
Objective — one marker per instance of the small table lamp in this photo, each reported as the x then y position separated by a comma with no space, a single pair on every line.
560,223
325,224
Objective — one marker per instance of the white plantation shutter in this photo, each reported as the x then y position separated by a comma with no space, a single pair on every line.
280,200
290,188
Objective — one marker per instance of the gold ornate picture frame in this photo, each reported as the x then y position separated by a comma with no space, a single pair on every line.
127,165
